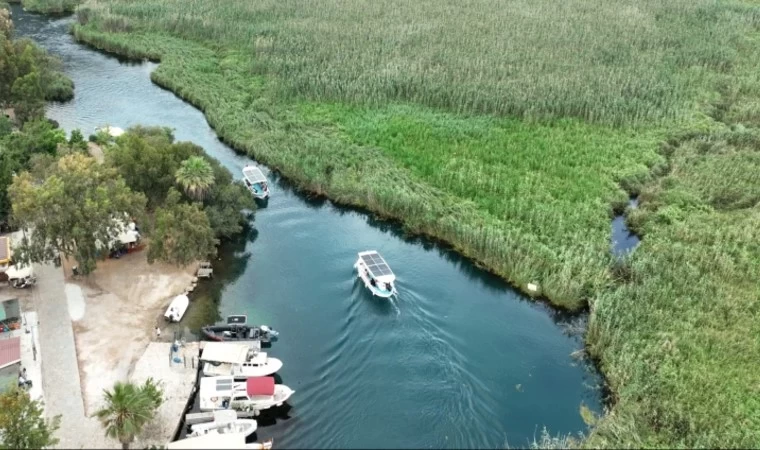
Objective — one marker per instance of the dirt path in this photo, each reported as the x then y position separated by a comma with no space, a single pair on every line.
115,311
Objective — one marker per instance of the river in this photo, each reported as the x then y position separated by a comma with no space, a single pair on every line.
458,360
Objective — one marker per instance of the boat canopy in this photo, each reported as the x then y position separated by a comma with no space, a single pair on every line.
260,386
217,386
210,441
377,266
225,352
253,174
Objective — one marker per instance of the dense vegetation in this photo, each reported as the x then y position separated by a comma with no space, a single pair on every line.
48,6
375,103
70,201
23,424
28,77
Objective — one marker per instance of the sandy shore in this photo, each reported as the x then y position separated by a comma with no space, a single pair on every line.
114,312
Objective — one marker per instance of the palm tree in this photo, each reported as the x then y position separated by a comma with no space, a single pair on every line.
195,175
128,409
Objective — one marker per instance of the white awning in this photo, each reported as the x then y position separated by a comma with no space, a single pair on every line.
225,352
210,441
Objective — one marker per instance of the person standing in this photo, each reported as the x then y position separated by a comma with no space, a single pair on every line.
158,332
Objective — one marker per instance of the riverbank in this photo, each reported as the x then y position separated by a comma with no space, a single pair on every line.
642,329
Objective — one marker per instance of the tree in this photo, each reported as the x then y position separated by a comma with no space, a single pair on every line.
225,203
196,176
148,160
23,424
28,97
77,210
182,233
128,409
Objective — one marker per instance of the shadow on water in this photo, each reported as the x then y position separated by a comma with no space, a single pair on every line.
230,265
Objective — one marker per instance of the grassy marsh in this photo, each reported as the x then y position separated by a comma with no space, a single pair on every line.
511,130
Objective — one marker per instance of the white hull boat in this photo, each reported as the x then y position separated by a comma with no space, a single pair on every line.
258,365
253,394
256,182
225,422
376,274
177,308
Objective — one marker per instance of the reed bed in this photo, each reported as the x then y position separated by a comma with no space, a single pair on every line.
512,130
613,62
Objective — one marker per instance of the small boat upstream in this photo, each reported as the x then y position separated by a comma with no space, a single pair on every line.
376,274
256,182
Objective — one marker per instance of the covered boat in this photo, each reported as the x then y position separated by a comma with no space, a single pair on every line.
256,182
376,274
225,422
253,394
177,308
237,329
238,360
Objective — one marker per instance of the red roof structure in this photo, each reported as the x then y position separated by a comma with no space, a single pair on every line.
10,351
260,386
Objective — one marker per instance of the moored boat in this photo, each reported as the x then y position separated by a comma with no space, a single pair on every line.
376,274
239,363
237,329
225,422
177,308
256,182
253,394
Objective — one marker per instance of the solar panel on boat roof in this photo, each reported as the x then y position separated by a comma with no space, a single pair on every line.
377,265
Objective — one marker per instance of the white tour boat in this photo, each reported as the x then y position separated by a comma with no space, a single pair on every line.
253,394
177,308
376,274
225,422
237,359
256,182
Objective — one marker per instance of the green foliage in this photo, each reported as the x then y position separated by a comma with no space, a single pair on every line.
75,210
128,409
148,159
51,6
23,424
631,63
28,97
17,150
372,103
76,140
678,339
29,76
182,233
196,176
